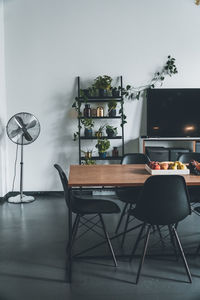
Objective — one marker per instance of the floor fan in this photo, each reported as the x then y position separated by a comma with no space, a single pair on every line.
22,129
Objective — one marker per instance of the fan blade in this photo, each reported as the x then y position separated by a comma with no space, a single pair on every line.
31,124
21,124
15,132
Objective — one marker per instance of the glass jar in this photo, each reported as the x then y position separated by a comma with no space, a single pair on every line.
115,152
87,111
93,112
100,112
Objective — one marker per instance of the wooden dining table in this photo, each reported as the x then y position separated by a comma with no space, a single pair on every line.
116,175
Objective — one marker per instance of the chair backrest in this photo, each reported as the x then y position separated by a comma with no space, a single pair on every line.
186,157
134,158
164,200
64,182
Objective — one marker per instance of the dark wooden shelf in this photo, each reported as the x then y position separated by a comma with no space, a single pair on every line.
107,158
100,99
106,117
103,137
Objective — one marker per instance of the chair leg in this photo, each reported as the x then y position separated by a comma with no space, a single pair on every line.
74,230
173,242
125,227
182,254
160,235
108,240
137,242
143,254
121,217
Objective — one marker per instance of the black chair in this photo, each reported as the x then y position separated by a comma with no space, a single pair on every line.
164,201
129,195
82,207
187,157
194,191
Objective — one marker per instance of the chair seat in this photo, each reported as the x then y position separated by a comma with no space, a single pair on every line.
96,206
141,217
128,194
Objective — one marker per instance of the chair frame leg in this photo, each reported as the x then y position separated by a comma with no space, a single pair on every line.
108,240
73,228
160,235
125,227
121,218
182,254
137,242
173,242
143,254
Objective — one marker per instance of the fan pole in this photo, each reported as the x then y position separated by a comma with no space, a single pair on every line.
21,170
21,198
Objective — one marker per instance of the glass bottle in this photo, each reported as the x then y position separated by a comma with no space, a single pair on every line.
87,111
115,152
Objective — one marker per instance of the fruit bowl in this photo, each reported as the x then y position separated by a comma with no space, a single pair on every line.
167,168
194,167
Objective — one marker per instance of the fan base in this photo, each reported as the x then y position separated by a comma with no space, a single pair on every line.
18,200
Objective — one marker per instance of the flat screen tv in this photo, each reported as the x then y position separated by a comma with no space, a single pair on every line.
173,112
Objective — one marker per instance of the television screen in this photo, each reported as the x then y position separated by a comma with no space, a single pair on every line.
173,112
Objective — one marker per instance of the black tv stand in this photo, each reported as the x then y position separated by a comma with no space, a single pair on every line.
145,139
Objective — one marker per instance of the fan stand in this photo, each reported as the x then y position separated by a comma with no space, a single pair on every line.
21,198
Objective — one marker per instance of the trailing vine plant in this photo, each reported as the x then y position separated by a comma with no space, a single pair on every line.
169,69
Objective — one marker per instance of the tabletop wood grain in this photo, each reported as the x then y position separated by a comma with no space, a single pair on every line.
114,175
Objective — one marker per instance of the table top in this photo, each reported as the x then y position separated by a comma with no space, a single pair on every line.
114,175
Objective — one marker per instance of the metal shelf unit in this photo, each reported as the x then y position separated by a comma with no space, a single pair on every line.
100,100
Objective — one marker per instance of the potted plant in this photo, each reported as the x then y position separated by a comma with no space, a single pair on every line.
88,153
89,161
88,124
111,131
102,146
99,132
115,92
112,104
103,84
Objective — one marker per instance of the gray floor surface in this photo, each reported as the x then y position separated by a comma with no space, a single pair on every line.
33,263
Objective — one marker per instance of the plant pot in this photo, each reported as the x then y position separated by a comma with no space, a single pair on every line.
102,93
86,92
88,133
98,134
110,133
115,93
112,113
88,155
102,154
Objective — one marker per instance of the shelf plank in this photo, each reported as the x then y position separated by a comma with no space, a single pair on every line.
103,137
107,158
105,117
100,99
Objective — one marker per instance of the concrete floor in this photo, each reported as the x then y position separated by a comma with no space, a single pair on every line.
32,259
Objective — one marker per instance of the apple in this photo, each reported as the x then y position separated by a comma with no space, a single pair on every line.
164,166
157,167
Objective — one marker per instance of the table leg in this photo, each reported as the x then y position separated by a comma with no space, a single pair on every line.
69,258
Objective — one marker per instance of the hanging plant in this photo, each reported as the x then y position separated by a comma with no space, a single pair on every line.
169,69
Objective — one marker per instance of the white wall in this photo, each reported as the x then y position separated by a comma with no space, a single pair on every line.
48,43
3,116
